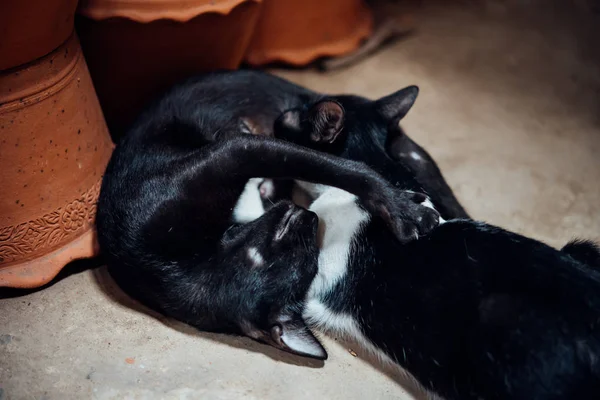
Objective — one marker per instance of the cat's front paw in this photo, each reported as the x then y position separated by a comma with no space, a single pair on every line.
410,215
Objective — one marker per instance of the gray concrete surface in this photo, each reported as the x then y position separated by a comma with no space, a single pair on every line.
509,107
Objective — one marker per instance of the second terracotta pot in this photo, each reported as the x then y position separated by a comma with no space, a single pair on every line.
135,50
298,32
33,28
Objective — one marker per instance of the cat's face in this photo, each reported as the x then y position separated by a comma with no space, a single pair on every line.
275,259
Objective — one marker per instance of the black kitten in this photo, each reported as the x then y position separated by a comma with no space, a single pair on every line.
166,220
470,310
257,99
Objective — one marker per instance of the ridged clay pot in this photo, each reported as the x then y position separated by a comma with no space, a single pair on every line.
298,32
33,28
54,147
137,49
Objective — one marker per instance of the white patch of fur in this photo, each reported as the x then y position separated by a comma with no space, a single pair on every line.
249,206
342,325
255,257
415,156
340,222
427,203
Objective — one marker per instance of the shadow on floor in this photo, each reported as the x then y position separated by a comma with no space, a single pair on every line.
72,268
110,288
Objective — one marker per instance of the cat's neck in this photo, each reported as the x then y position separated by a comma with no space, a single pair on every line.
341,221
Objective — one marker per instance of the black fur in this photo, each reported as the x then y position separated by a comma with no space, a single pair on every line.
584,251
400,147
165,209
258,99
471,310
378,139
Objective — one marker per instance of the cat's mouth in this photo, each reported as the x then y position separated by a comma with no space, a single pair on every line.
288,221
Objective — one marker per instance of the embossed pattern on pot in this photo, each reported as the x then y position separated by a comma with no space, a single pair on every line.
18,242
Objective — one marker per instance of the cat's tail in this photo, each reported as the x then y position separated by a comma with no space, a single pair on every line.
585,251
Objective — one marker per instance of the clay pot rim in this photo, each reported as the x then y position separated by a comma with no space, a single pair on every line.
153,10
47,84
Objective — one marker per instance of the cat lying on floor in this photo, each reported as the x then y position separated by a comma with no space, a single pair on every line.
167,202
472,311
256,99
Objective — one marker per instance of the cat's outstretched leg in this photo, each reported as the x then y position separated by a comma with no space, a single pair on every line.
244,157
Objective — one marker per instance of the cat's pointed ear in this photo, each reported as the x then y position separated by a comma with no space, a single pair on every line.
326,119
321,123
291,334
396,105
288,332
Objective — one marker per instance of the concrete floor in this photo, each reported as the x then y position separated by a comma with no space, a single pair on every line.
509,107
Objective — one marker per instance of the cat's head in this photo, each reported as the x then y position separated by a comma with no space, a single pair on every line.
275,259
350,126
369,131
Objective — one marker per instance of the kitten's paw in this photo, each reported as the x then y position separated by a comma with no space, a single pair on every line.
409,216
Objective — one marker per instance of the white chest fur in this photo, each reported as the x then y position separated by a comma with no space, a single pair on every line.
249,206
340,222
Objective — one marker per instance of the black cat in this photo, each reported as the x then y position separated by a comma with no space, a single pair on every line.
166,210
256,99
470,310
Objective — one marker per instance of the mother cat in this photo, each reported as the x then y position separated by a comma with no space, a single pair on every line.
470,310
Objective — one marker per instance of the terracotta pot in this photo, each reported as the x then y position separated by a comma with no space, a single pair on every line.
298,32
54,147
136,49
33,28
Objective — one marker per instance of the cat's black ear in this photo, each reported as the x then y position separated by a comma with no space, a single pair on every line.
321,123
326,119
287,331
291,334
396,105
